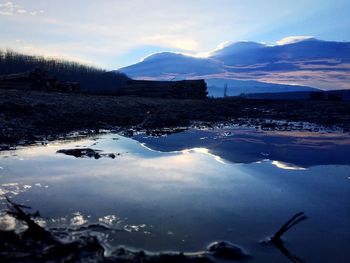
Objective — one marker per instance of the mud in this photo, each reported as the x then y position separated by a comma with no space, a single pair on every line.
27,117
37,244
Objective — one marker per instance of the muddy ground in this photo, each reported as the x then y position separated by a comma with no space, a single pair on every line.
29,116
37,244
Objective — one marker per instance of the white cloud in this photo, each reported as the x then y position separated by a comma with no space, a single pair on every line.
21,11
122,27
10,9
78,219
7,222
172,41
287,166
9,5
292,39
209,53
56,51
6,13
178,26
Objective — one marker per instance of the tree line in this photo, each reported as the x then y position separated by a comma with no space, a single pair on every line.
91,79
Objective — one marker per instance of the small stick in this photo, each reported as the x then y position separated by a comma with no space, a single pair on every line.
297,218
33,228
277,241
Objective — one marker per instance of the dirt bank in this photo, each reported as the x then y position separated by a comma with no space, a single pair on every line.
27,116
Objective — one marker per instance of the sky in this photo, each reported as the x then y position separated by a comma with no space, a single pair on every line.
116,33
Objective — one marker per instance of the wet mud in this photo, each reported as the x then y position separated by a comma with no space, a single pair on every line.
37,244
27,117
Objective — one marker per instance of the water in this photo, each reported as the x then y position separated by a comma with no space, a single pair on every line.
183,191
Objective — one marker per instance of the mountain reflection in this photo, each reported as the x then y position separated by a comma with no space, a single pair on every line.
292,150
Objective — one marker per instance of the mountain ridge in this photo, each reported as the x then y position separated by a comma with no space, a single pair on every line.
306,63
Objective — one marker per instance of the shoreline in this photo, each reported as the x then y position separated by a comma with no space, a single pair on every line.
28,117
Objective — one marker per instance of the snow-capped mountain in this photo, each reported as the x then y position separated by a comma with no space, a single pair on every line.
248,67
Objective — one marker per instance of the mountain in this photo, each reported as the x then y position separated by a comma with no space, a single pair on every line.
216,87
247,53
161,64
251,67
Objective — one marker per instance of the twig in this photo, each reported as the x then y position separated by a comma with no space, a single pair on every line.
34,230
277,241
297,218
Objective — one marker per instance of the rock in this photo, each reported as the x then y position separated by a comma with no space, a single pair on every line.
87,152
81,152
111,155
227,250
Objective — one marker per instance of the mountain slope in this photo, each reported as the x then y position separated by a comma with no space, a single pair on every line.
170,63
294,67
216,87
246,53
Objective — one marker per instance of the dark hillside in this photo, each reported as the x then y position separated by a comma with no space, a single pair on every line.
91,79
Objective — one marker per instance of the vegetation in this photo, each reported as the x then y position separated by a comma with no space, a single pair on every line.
91,79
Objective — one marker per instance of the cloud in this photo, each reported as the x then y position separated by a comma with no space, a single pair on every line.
287,166
292,39
21,11
180,26
10,9
8,5
172,41
70,52
207,54
5,13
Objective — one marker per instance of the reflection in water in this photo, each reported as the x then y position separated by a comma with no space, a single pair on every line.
287,166
289,150
136,228
7,222
12,189
276,239
109,220
292,257
180,196
204,151
78,219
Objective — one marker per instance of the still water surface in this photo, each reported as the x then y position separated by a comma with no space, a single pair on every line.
183,191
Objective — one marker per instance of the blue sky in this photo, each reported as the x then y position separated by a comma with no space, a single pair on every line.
116,33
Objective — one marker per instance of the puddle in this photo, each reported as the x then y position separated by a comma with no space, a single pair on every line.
183,191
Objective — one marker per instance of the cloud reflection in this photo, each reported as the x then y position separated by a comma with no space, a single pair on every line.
78,219
7,223
287,166
204,151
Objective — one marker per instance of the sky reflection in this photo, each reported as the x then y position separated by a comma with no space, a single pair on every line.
183,197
